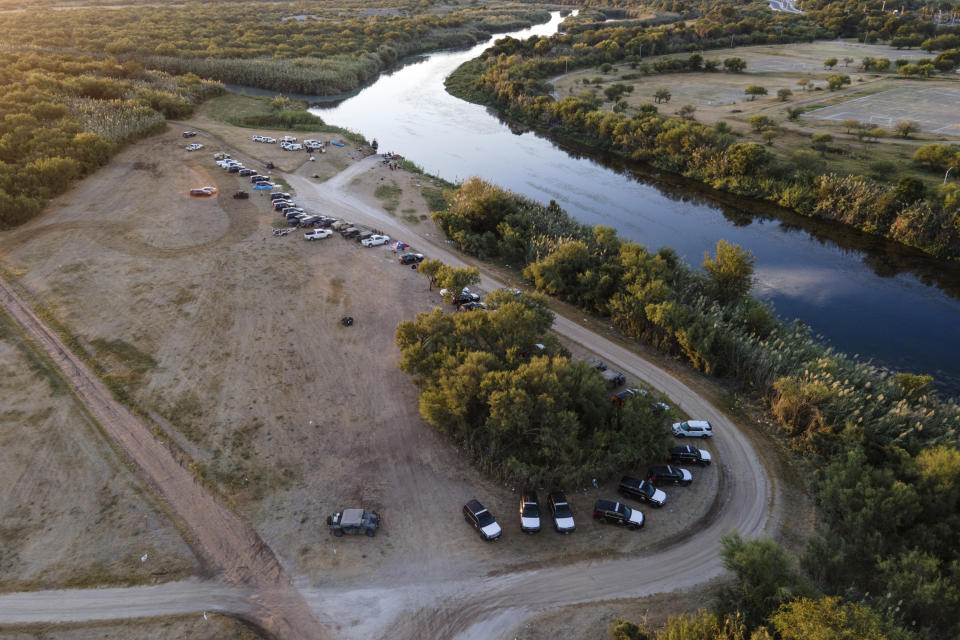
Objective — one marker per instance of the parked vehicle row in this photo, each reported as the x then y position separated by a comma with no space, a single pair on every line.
265,139
606,511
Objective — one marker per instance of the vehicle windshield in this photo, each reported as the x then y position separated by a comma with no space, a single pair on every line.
562,510
624,510
531,510
484,518
647,489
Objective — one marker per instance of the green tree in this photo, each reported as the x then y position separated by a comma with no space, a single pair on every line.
431,268
662,95
735,65
784,94
768,137
850,124
760,122
764,577
625,630
905,128
686,111
821,142
755,90
837,81
730,271
829,619
830,63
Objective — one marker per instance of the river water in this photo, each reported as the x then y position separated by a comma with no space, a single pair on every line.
863,295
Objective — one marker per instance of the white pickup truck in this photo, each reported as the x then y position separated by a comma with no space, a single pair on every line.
318,234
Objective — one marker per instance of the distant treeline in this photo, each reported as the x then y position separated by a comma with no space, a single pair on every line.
884,446
321,51
512,76
63,116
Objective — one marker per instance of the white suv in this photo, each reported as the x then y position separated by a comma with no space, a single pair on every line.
693,429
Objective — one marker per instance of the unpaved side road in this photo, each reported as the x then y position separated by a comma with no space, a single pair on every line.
225,540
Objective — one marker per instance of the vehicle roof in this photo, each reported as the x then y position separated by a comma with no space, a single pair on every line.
558,496
528,495
698,423
606,504
475,506
664,468
684,447
631,481
352,518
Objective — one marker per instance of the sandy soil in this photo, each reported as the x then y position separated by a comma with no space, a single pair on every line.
229,337
71,513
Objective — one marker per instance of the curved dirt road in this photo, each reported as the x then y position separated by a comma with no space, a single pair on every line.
483,607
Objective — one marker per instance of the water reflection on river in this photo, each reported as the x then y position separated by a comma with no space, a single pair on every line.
864,295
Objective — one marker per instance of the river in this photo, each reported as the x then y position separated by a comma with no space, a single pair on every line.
863,295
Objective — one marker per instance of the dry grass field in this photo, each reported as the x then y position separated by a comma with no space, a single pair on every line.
878,99
71,513
230,339
215,627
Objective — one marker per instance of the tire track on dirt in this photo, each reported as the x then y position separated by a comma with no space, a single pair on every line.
227,542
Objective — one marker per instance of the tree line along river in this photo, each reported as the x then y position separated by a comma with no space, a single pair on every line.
863,295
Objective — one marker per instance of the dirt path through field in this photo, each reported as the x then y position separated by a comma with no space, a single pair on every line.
228,543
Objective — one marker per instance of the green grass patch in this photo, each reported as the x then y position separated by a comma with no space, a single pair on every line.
435,198
257,112
389,195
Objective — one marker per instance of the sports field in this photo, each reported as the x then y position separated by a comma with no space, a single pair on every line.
935,108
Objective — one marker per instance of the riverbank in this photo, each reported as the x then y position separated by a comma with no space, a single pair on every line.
711,156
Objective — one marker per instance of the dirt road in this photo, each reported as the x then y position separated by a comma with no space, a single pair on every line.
226,541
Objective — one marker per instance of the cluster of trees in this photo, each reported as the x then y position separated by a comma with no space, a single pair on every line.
884,446
502,388
916,23
63,116
511,75
322,51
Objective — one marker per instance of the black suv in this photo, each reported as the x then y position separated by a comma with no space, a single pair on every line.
641,490
411,258
667,474
279,195
529,512
609,511
562,514
247,172
687,454
481,520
